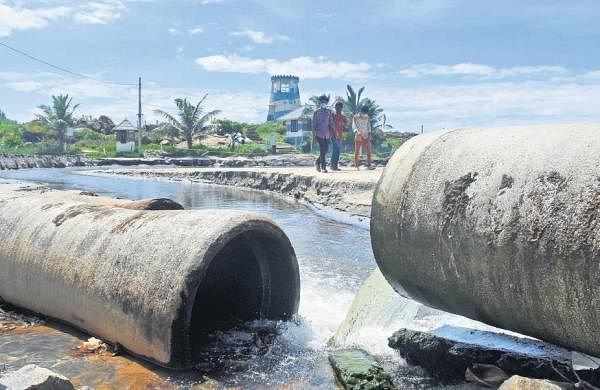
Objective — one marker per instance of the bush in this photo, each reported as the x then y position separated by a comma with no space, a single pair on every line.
227,126
85,134
266,129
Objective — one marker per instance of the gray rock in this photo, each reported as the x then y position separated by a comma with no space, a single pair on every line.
32,377
356,369
521,383
448,359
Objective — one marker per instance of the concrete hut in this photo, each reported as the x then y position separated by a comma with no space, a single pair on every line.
126,136
297,125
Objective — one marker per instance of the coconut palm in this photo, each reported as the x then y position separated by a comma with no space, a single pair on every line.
353,100
58,117
192,119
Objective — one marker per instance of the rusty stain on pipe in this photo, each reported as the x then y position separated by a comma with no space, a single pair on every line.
152,281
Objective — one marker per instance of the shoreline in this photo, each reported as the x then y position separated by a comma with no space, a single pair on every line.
348,192
16,161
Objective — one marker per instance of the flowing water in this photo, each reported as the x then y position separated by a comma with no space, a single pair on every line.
334,259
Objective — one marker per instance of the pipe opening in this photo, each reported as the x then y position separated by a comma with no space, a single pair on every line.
254,276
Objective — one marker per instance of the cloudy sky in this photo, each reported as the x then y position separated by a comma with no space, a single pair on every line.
439,63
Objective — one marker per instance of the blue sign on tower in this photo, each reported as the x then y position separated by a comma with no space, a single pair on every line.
285,96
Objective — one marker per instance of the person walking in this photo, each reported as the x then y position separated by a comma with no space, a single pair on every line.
361,124
339,122
322,129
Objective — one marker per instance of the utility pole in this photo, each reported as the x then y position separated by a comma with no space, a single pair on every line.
139,124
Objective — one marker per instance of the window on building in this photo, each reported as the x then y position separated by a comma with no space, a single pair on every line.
285,88
122,137
294,126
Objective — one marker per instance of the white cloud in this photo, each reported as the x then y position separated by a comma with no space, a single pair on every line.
260,37
99,12
24,86
119,101
476,103
196,30
479,70
305,67
488,104
173,31
206,2
18,18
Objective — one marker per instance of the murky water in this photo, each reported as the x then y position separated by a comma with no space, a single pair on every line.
334,259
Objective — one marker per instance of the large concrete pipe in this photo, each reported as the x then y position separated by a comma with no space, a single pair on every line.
501,225
155,282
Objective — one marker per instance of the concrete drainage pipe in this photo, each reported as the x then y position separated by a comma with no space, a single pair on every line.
499,225
153,281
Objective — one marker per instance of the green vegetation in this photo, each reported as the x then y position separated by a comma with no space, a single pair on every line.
94,137
191,120
203,150
227,126
58,117
265,130
10,133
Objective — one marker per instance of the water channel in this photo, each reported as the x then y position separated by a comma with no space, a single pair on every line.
334,260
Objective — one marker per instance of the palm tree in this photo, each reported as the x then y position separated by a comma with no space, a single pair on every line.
58,117
353,100
191,120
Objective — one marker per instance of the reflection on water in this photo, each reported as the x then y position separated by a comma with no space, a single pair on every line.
334,259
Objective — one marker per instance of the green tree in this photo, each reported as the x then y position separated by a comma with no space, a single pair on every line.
352,105
192,119
227,126
353,100
58,116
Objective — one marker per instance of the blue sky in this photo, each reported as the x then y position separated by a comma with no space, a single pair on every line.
440,63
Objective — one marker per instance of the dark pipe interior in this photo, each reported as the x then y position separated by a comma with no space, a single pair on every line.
254,276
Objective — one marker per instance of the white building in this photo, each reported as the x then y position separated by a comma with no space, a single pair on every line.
127,136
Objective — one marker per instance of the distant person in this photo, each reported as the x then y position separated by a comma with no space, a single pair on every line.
322,129
339,122
361,124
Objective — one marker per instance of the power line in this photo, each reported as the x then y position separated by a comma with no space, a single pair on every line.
61,68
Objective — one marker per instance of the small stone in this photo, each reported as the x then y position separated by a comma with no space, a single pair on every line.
356,369
207,384
32,377
517,382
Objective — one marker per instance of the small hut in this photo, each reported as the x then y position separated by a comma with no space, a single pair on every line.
126,136
297,125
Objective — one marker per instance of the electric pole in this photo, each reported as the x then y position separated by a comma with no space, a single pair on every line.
139,124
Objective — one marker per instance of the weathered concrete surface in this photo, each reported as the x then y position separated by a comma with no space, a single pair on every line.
499,225
93,198
152,281
22,162
348,190
356,369
32,377
286,160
